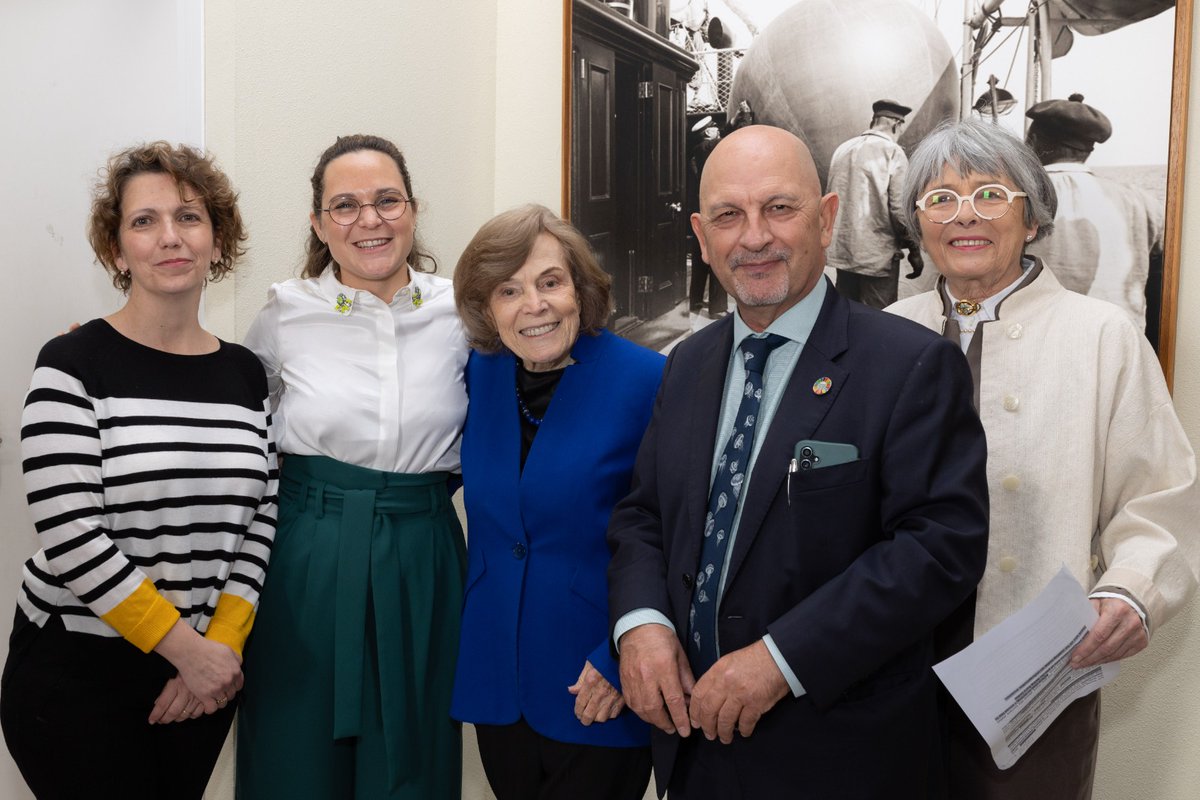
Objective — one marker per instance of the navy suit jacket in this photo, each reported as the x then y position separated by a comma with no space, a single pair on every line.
536,602
849,570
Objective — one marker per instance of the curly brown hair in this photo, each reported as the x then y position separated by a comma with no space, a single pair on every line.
317,255
188,167
501,247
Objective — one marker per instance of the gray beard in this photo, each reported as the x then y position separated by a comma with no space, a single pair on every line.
750,295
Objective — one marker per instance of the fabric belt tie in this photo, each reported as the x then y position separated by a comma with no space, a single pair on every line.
350,619
358,559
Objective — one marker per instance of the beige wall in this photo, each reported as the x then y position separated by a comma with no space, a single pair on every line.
284,79
472,93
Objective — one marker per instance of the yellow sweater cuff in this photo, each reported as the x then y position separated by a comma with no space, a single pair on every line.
144,617
231,623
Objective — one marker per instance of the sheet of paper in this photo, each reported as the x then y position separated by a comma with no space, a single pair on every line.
1014,681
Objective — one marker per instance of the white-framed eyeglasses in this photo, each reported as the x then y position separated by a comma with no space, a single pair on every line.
345,210
942,206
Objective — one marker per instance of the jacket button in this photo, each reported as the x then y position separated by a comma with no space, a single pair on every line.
687,581
518,550
1011,482
1011,403
1007,564
1094,562
1014,331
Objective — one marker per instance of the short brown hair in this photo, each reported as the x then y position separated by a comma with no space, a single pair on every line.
501,247
186,166
316,253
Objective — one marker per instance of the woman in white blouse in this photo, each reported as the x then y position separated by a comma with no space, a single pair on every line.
349,676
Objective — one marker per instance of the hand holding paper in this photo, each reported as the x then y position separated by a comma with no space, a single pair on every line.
1016,679
1118,634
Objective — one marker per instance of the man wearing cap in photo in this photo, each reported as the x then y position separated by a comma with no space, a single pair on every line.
866,173
1105,232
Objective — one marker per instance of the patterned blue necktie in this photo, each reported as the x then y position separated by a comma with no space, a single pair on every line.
723,503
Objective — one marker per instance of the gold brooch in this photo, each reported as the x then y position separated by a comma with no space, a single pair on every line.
967,307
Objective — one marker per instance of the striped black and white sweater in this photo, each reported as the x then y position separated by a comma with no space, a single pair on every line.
152,480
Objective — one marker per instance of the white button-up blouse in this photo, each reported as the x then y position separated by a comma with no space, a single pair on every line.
374,384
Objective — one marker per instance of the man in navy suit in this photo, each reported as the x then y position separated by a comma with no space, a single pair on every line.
860,516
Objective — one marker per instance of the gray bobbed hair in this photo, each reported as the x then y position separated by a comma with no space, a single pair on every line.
973,146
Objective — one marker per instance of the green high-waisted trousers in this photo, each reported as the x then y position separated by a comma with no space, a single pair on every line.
350,665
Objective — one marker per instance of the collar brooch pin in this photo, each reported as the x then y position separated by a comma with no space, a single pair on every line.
967,307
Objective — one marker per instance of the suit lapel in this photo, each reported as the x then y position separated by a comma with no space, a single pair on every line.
797,417
702,429
497,430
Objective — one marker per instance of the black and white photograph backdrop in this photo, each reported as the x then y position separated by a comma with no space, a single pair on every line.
655,83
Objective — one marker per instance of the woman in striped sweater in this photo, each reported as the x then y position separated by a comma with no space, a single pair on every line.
151,480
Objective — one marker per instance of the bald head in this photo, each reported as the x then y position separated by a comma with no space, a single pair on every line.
759,148
763,225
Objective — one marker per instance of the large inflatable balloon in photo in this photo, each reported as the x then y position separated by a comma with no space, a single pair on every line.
818,67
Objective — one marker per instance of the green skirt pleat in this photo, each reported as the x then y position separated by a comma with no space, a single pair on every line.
350,666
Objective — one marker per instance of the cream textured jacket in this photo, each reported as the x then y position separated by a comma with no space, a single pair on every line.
1088,465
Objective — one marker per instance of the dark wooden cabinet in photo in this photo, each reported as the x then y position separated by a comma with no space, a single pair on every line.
627,157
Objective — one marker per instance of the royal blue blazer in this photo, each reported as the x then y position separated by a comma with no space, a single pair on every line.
536,601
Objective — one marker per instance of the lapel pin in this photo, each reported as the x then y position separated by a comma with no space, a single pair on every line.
822,386
416,297
343,304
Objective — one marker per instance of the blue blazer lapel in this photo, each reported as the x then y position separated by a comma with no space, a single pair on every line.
798,416
577,402
495,433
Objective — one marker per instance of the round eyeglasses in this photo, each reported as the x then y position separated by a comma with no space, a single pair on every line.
993,201
345,210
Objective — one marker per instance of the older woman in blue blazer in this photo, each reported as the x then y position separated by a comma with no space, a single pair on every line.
558,406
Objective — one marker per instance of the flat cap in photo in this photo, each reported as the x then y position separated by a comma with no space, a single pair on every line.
890,108
1071,121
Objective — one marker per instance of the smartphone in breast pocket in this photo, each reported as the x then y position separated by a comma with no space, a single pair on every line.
812,454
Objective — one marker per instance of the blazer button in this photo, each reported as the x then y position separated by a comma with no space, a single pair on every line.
687,581
1014,331
1007,564
1011,483
518,550
1011,402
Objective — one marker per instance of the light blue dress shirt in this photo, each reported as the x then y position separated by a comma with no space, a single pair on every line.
795,325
